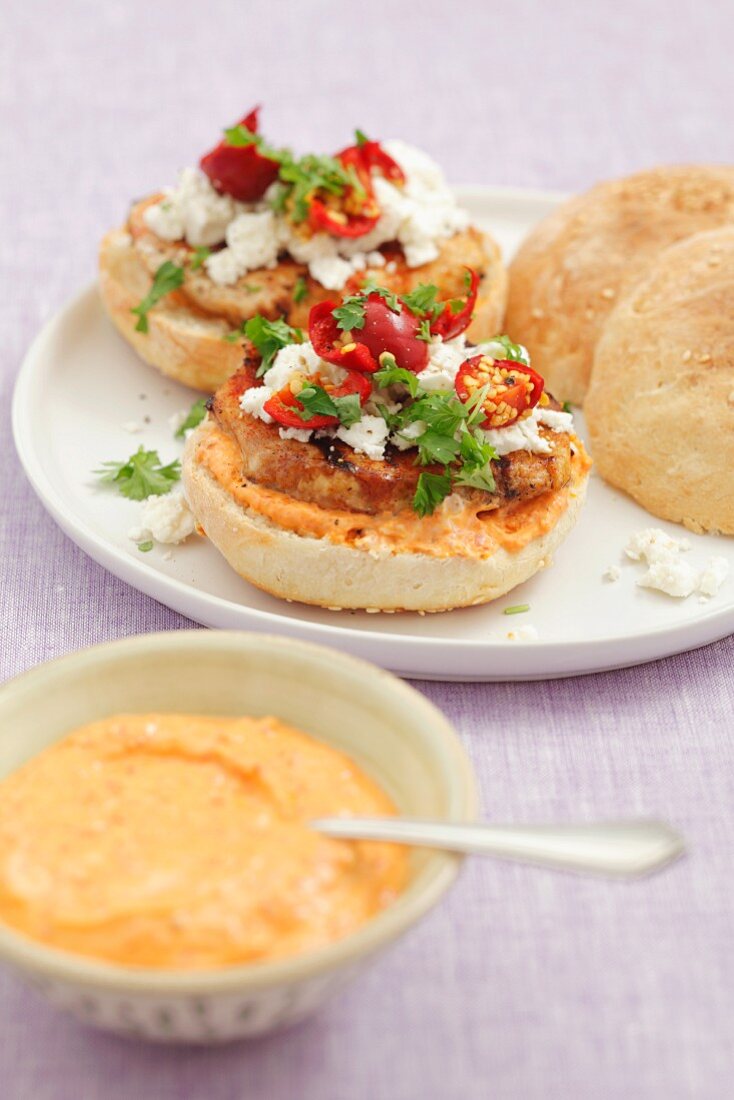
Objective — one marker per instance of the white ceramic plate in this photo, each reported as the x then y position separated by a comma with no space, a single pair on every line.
80,383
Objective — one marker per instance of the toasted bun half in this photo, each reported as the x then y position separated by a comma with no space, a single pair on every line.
337,575
184,344
186,328
572,268
660,409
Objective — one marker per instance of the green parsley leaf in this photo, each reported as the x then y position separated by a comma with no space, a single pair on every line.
389,297
567,407
300,290
360,137
251,288
240,137
308,174
518,609
195,415
200,254
269,337
430,491
392,375
422,300
141,475
441,411
348,409
394,421
144,547
168,277
317,402
350,314
424,331
515,352
433,447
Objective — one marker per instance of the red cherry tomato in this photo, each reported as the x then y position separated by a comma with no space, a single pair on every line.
284,406
240,171
397,333
513,388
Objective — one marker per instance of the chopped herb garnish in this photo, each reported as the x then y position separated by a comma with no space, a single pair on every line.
317,402
300,290
200,254
301,178
518,609
141,475
423,300
350,314
389,297
144,547
240,137
430,491
567,407
515,352
424,331
251,288
168,277
392,375
434,446
360,137
195,415
269,337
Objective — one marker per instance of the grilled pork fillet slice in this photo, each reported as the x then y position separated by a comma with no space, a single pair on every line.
331,474
270,290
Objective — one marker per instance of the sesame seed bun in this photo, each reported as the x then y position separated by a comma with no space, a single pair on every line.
576,263
660,409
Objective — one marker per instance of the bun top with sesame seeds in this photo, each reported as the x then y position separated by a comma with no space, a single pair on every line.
575,264
660,408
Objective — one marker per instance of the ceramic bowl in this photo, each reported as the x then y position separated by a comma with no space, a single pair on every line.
387,727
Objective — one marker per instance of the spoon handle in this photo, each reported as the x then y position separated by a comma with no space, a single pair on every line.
625,848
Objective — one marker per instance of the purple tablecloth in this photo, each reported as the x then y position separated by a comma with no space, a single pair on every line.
525,983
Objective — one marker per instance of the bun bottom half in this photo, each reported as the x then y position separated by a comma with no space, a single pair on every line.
327,574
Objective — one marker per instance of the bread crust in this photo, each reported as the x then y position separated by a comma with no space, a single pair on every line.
660,410
574,266
338,575
187,328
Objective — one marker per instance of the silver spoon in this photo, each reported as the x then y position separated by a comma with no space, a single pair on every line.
620,848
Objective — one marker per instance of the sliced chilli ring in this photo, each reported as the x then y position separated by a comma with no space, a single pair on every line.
284,406
513,390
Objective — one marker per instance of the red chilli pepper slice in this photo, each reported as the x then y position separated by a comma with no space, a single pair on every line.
346,222
449,324
513,388
240,170
374,156
324,219
284,405
324,333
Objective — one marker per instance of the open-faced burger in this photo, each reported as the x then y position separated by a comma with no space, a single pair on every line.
256,231
380,461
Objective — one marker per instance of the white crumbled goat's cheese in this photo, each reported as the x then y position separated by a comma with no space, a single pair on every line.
368,436
669,573
252,242
445,358
165,518
192,211
419,215
713,576
612,573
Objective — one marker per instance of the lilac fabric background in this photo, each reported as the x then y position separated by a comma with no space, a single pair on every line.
525,983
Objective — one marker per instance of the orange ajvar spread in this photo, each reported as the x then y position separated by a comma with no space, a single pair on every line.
169,840
468,531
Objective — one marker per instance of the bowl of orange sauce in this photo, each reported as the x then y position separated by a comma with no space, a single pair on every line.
158,876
